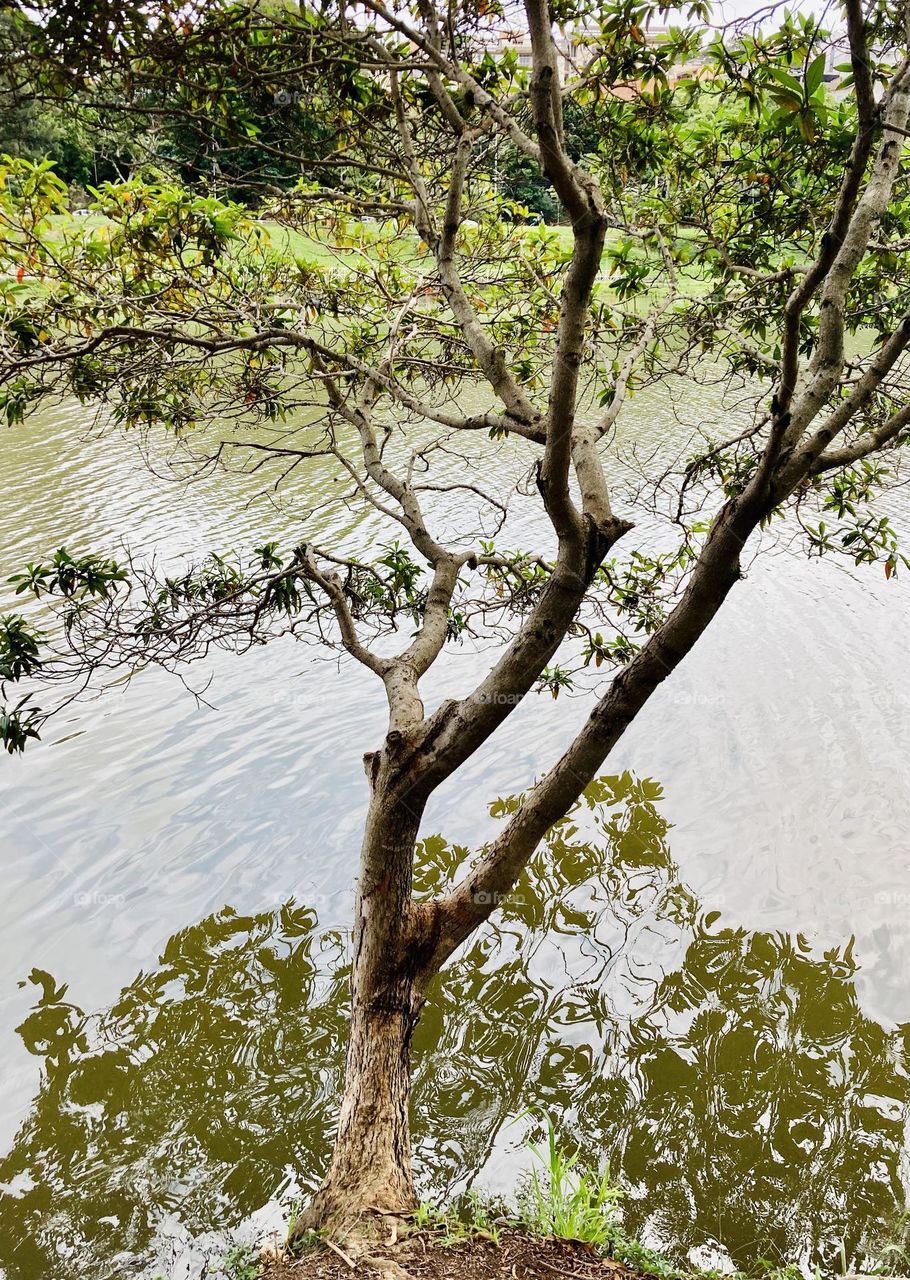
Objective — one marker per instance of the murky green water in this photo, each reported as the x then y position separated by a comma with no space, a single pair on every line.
707,986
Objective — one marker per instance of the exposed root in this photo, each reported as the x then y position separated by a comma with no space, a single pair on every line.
359,1239
357,1230
345,1257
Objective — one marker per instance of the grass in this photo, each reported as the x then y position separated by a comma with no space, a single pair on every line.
479,1218
892,1248
242,1262
353,250
563,1199
298,245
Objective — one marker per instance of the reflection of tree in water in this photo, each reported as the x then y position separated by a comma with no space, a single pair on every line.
729,1077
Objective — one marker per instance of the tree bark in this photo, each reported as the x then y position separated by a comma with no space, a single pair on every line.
370,1172
370,1169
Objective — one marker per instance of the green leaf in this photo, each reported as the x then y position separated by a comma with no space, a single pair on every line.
815,73
788,82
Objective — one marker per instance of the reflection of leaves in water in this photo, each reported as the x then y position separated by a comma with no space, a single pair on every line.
729,1077
206,1079
53,1030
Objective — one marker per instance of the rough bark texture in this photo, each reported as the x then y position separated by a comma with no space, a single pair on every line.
370,1171
371,1164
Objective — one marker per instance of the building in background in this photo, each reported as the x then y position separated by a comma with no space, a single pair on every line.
572,48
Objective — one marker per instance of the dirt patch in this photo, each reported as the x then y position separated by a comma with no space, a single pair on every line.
515,1257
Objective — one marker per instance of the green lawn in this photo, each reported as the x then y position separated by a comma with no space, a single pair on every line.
348,244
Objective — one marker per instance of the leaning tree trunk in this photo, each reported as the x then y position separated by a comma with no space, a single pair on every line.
370,1170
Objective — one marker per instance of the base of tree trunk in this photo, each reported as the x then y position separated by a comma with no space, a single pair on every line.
369,1184
360,1217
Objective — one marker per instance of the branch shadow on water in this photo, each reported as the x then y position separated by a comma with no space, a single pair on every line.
729,1076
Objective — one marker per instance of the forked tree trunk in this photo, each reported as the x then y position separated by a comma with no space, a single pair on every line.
370,1170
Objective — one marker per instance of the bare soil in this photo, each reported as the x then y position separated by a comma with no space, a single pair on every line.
420,1257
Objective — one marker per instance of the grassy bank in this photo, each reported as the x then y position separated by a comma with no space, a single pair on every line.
566,1221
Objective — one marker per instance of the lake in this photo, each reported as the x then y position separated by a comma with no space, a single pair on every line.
707,987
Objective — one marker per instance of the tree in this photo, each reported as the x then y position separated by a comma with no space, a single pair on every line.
758,243
38,126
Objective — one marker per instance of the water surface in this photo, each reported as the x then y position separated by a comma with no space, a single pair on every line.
724,1018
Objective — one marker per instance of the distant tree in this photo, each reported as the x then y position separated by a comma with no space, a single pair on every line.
762,247
271,130
43,126
521,178
521,181
31,134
